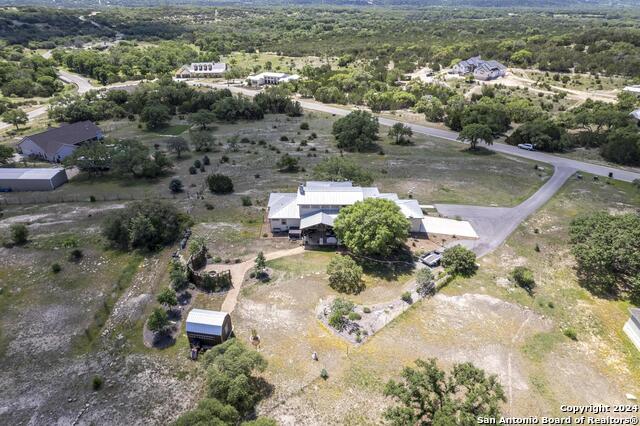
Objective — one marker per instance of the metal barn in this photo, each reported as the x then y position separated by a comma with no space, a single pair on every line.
24,179
207,328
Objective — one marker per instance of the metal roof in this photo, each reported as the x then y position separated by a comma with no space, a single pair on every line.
439,225
332,197
410,208
317,219
635,314
203,321
283,206
635,114
29,174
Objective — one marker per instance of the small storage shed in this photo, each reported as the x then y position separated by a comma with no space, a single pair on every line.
632,327
23,179
207,328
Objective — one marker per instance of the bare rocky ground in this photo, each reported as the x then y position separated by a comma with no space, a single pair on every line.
47,364
492,333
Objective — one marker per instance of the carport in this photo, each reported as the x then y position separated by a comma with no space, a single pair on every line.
440,225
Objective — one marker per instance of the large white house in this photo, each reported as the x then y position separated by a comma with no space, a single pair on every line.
271,78
311,210
202,70
481,69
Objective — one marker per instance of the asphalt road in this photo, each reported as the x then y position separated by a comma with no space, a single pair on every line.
556,161
81,83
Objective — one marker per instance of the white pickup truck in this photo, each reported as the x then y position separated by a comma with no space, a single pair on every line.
527,146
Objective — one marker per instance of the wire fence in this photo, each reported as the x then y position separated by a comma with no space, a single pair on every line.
53,198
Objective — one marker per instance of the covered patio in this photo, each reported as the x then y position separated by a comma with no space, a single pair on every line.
317,230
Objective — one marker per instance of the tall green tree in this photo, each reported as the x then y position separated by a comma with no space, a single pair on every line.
177,145
339,169
428,396
202,118
155,116
6,153
357,131
474,133
401,134
607,251
374,227
16,116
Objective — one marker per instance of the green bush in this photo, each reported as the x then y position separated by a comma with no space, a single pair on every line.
246,201
523,277
220,184
96,383
459,260
158,320
345,275
304,126
324,374
19,233
75,255
570,333
354,316
406,297
366,310
55,268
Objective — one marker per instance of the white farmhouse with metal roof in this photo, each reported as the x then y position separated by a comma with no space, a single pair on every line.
314,207
207,328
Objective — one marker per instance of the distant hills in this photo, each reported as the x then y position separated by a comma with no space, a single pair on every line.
559,4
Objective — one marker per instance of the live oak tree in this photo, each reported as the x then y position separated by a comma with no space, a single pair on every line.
474,133
144,225
16,117
374,227
340,169
155,116
400,134
459,260
428,396
607,251
6,152
345,275
357,131
177,145
202,118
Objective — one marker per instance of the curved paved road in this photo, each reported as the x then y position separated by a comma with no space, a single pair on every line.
503,148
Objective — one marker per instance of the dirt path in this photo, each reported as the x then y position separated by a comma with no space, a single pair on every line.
239,270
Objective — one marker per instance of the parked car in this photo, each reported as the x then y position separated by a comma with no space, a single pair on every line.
431,259
527,146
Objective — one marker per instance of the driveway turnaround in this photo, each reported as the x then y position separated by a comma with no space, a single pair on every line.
495,224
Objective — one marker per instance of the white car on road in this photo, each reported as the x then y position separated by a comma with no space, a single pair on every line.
527,146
